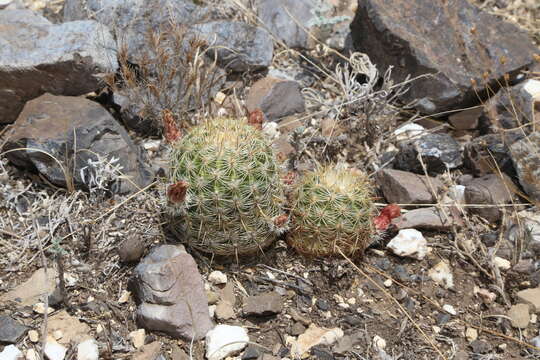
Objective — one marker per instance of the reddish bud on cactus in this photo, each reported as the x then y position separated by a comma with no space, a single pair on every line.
281,220
289,178
256,119
385,217
172,133
177,192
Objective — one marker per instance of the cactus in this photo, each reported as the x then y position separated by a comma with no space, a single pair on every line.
226,195
332,210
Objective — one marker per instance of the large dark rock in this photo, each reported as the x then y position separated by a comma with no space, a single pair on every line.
133,20
72,130
10,330
171,295
486,154
451,39
38,57
238,46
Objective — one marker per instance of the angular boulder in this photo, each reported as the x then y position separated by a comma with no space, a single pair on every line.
170,292
37,56
59,136
452,40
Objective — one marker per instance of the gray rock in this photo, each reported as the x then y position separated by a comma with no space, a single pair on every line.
488,152
481,347
526,157
236,45
38,57
132,20
73,130
467,119
519,316
131,249
276,98
489,190
403,187
530,296
10,330
262,305
439,152
429,219
464,44
287,19
171,293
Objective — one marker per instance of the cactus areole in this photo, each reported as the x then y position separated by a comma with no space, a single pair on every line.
225,194
332,212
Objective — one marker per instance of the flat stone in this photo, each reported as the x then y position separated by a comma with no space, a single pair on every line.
463,42
526,157
238,46
262,305
10,330
489,190
73,130
430,219
403,187
37,57
32,290
519,316
532,297
276,98
171,293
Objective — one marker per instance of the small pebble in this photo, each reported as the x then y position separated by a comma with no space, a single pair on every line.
379,342
449,309
388,282
217,278
137,338
40,308
33,335
471,334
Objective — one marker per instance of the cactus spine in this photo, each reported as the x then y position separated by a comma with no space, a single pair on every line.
227,194
332,210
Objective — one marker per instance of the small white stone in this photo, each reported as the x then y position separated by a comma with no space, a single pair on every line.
137,338
57,334
379,343
449,309
40,308
124,298
442,275
388,282
225,340
212,310
471,334
534,318
217,278
33,335
152,145
270,129
501,263
532,87
457,193
351,301
32,355
88,350
54,351
4,3
220,97
409,243
11,353
99,329
409,131
436,329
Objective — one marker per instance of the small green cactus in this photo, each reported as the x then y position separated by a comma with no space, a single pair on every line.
226,195
332,210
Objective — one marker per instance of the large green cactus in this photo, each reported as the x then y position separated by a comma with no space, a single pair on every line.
226,195
332,210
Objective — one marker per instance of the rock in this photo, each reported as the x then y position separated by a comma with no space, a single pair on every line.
519,316
403,187
430,219
237,46
70,327
501,263
277,98
32,355
488,152
480,347
137,338
31,291
457,194
171,294
10,330
409,243
463,42
217,278
379,343
269,303
225,340
178,354
438,152
314,336
11,352
33,335
442,275
252,353
54,351
287,20
149,352
131,249
225,310
530,296
526,157
131,20
489,190
409,131
55,125
88,350
471,334
37,57
297,329
467,119
449,309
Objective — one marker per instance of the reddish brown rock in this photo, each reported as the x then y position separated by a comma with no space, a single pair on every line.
403,187
460,45
489,191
